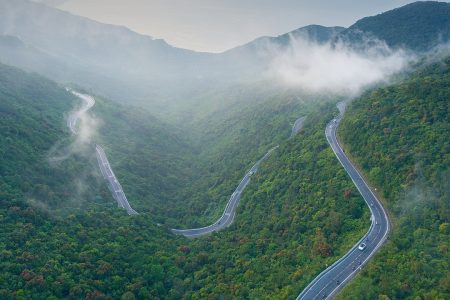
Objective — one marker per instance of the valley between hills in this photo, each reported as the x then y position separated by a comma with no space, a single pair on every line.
312,165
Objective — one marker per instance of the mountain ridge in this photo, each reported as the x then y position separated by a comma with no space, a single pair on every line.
133,68
417,26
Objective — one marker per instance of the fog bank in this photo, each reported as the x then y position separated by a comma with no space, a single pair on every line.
335,67
83,127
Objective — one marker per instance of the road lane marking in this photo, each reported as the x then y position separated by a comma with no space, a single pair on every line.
352,172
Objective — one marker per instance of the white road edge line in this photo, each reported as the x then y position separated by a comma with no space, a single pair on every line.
327,270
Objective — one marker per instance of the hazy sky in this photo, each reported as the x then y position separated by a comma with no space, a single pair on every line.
217,25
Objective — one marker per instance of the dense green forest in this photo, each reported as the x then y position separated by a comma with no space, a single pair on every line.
63,237
418,26
399,136
184,176
32,123
288,226
200,122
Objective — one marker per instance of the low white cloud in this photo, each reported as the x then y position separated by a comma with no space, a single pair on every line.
84,129
335,68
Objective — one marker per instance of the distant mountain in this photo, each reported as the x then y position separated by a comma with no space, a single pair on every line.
89,43
316,33
418,26
15,52
128,67
255,57
114,60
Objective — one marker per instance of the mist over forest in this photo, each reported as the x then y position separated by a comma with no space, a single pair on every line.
136,69
220,177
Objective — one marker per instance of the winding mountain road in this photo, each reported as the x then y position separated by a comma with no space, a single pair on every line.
113,184
228,214
329,281
230,210
335,277
105,168
88,103
298,124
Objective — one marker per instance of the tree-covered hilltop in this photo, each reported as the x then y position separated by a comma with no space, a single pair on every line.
399,136
418,26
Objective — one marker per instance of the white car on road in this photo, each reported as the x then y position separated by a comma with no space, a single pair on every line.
362,246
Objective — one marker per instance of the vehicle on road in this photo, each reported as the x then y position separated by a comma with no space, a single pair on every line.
362,246
352,261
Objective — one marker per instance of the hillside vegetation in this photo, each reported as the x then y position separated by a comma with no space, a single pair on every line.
418,26
399,136
298,214
32,122
204,120
185,175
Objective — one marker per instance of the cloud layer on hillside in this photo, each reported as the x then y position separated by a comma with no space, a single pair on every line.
335,67
84,131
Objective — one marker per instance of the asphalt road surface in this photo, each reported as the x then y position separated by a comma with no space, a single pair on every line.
227,217
332,279
230,210
73,118
113,184
297,126
335,277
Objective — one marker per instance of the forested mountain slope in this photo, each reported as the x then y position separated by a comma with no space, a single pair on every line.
418,26
300,212
184,173
399,135
32,121
289,222
184,176
180,180
35,136
62,236
276,246
136,69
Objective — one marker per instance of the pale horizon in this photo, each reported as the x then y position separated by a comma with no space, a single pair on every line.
217,26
